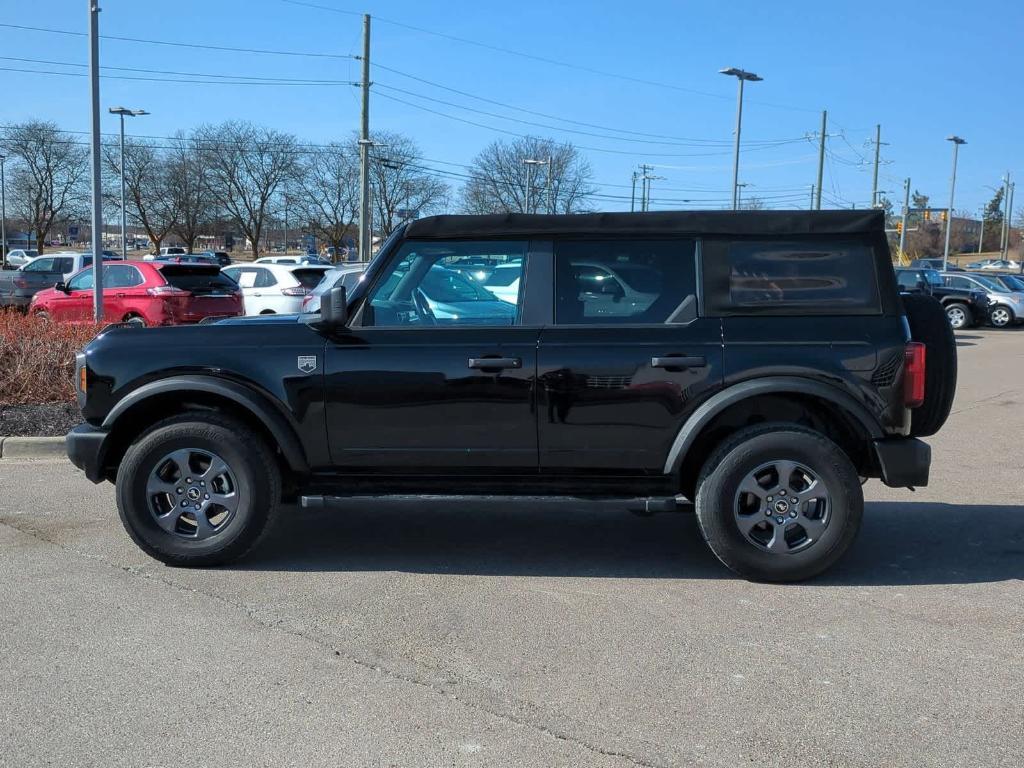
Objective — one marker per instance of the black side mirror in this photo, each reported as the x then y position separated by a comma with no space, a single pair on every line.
334,308
62,287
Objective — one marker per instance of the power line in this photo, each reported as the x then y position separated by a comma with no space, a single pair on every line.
199,46
162,79
541,59
287,80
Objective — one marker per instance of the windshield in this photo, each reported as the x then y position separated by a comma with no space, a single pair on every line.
1013,282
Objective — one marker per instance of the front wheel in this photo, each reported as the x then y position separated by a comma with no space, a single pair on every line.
1000,316
197,489
779,503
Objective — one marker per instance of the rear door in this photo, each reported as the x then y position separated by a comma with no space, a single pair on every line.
436,372
628,357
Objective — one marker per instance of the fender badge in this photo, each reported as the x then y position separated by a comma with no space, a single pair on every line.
307,363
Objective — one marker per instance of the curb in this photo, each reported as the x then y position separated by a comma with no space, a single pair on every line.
32,447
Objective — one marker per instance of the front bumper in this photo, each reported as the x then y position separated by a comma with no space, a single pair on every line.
87,446
904,461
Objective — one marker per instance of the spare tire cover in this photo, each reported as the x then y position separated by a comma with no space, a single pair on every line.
930,326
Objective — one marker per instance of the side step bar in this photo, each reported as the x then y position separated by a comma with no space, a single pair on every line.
639,506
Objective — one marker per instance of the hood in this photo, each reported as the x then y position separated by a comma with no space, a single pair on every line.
259,320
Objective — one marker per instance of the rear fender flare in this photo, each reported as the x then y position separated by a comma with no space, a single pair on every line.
772,385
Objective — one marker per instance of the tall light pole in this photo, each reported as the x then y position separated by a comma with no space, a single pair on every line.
3,211
957,141
906,215
97,168
739,193
742,77
124,112
365,226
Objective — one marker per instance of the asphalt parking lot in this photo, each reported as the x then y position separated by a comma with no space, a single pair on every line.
528,634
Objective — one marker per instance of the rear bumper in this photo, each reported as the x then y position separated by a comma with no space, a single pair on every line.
86,446
904,461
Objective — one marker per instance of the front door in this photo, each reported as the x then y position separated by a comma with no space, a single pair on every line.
76,304
436,372
628,358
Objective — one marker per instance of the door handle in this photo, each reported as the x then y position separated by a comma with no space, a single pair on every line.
120,295
678,361
485,363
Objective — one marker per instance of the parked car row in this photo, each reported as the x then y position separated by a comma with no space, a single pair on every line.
969,298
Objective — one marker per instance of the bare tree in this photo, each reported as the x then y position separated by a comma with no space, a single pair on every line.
401,183
48,175
559,183
327,193
246,167
147,202
188,187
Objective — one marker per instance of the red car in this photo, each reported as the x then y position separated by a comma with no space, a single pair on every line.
146,293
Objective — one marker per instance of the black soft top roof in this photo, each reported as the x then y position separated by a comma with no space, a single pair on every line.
650,224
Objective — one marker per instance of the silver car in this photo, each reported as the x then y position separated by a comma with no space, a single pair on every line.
19,257
1006,307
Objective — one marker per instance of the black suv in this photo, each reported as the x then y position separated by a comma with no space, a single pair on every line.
760,364
964,307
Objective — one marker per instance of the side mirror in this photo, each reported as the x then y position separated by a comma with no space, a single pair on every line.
334,308
62,287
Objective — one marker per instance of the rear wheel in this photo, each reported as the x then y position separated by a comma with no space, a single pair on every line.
135,320
1000,316
268,312
959,316
197,490
779,503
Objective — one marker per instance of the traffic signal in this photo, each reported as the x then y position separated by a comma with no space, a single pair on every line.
927,214
899,227
942,215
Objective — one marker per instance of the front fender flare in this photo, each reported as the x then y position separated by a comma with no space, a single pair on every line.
771,385
254,402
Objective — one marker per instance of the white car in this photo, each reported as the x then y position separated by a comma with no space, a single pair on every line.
275,289
1003,264
19,257
503,282
170,250
300,259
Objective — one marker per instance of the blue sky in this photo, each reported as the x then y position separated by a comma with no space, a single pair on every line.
922,70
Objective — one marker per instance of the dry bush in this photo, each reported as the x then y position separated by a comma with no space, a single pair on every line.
37,358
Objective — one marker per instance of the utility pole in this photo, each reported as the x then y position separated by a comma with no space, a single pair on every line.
812,197
874,178
1009,217
286,226
1004,231
644,179
957,141
906,215
821,159
365,228
632,197
529,184
97,188
981,237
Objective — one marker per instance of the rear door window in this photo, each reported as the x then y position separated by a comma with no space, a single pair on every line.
823,277
64,263
624,282
308,278
40,265
198,279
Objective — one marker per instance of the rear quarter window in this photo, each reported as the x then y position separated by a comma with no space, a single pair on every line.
790,277
198,279
308,278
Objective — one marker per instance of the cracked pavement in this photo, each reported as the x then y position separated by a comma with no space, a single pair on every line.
536,633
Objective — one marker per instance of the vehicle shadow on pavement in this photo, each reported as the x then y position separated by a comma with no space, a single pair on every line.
901,543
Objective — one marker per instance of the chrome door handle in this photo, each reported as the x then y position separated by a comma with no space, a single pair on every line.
485,363
678,361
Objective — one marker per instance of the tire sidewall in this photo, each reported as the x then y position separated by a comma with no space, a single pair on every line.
961,312
134,508
716,499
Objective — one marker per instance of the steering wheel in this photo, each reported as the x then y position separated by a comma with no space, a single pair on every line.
423,309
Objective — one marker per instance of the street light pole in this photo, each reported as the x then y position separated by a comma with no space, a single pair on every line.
530,162
742,77
3,210
123,112
97,170
906,216
365,227
957,141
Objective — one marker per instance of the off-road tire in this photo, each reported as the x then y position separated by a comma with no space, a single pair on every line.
930,326
251,461
730,463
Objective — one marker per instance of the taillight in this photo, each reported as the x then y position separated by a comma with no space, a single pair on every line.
913,374
166,290
296,290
